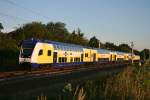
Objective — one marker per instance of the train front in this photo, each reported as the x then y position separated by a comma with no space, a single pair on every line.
26,50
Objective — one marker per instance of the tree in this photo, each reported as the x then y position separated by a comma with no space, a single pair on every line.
136,52
1,27
110,46
75,38
94,42
30,30
80,34
58,31
57,27
144,54
124,48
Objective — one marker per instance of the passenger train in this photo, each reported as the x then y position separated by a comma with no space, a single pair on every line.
56,54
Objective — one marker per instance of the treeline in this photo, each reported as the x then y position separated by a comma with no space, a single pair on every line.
55,31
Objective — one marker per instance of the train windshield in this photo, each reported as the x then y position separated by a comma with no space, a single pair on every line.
27,49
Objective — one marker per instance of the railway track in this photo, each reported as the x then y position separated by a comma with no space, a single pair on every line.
51,71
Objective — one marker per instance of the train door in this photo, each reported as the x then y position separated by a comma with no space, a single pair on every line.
94,57
81,57
55,57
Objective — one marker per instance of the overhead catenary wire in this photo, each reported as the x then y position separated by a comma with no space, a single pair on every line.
25,8
15,18
12,17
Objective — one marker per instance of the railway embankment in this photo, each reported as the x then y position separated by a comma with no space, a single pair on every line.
52,86
129,83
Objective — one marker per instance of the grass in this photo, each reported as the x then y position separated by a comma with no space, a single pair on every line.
133,83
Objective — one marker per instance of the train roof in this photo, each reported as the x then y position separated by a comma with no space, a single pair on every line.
70,47
120,53
57,45
103,51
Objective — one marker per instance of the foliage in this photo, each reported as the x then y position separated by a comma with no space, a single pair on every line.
145,54
131,84
30,30
124,48
94,42
57,27
110,46
8,50
76,37
1,27
57,31
136,52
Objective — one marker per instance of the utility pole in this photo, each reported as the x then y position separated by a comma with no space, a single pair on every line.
132,45
99,44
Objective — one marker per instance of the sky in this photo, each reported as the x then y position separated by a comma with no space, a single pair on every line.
116,21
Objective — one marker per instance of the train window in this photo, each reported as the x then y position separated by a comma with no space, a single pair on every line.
71,59
86,54
74,59
64,48
120,59
58,47
63,59
55,47
103,59
40,52
67,48
79,59
49,52
59,59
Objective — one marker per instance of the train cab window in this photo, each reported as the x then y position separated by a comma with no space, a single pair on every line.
40,52
49,52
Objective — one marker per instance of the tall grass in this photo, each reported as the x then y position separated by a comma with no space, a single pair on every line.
131,84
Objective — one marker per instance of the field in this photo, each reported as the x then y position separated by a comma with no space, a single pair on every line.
133,83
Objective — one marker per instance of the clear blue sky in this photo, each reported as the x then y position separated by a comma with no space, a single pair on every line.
117,21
